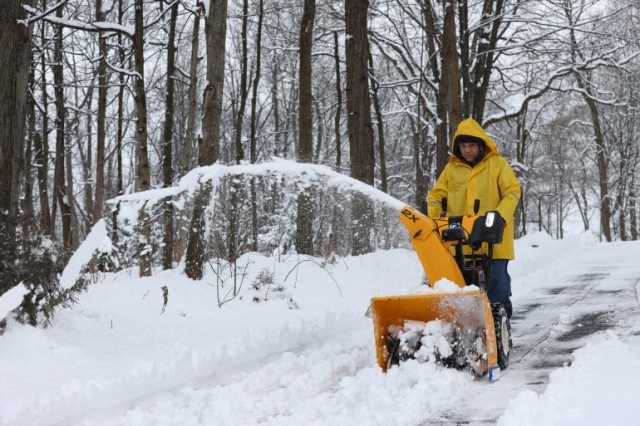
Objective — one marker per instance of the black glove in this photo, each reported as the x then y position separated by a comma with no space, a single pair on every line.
487,229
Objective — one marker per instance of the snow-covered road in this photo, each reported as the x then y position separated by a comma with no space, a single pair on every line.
305,355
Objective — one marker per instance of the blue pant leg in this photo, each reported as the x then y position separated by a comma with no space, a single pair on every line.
499,286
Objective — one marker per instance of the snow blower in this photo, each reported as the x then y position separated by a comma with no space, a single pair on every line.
457,327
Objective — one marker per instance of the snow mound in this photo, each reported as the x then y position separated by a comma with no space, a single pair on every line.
595,389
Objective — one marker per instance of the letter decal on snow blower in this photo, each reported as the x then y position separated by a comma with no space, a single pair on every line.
409,215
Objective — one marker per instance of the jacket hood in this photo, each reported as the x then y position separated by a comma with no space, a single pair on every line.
470,127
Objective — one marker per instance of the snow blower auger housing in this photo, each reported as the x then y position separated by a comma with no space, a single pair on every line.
458,249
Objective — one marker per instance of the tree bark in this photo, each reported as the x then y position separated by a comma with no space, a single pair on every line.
195,255
62,199
304,151
380,126
216,29
275,100
120,124
254,145
603,178
167,148
190,138
103,81
27,168
41,146
143,173
337,125
450,79
359,119
484,58
244,65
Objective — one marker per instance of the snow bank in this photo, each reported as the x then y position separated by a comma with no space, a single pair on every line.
11,299
599,388
97,240
285,168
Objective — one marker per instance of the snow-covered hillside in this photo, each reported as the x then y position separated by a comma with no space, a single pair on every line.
296,348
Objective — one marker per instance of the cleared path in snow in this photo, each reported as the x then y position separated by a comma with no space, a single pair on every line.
595,289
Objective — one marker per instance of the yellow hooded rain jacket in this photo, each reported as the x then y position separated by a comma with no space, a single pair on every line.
491,181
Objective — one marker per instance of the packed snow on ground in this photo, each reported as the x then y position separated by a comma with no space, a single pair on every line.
600,388
293,348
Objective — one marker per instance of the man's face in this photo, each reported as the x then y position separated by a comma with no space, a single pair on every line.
469,151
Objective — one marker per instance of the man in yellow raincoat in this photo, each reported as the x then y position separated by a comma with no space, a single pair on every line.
477,171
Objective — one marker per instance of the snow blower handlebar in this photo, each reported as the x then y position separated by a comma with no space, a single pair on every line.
433,238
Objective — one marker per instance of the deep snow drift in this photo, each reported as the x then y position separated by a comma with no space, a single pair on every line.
295,348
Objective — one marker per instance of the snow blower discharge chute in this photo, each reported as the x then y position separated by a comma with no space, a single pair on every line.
460,328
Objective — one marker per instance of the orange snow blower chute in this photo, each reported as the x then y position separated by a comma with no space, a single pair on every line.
456,249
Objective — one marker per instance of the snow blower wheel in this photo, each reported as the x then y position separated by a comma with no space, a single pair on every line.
502,327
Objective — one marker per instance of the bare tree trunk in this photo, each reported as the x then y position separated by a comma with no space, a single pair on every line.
59,175
605,203
216,29
337,125
465,60
195,255
450,78
27,205
254,149
167,147
256,82
190,138
41,144
486,44
359,119
15,60
622,217
304,222
540,214
120,131
421,185
144,242
239,151
103,81
232,234
143,174
41,165
71,201
87,158
380,125
276,109
442,139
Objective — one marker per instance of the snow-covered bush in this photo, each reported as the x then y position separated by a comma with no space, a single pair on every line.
254,208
